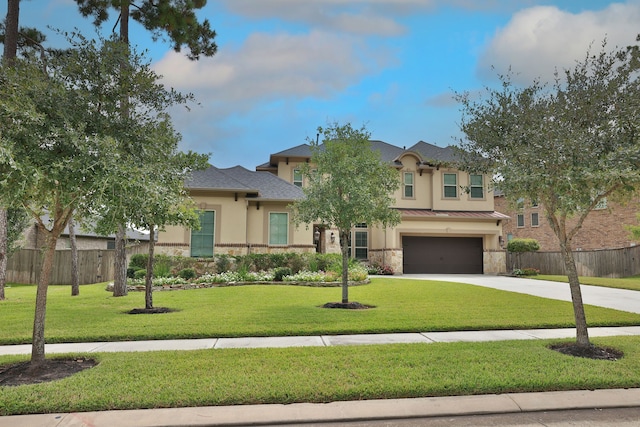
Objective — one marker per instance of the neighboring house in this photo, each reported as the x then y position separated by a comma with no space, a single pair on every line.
604,228
34,239
242,212
449,224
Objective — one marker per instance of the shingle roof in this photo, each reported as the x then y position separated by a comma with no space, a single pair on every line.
238,179
429,153
432,153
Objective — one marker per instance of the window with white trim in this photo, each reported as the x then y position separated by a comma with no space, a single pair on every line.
450,185
408,185
476,186
520,220
360,237
278,228
297,178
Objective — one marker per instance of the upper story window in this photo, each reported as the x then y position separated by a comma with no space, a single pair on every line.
450,182
535,219
278,228
602,204
408,185
534,203
520,220
297,177
476,186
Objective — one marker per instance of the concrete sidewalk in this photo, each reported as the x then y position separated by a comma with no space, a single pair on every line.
319,340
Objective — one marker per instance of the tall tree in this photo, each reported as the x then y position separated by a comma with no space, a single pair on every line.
349,184
568,144
59,119
172,20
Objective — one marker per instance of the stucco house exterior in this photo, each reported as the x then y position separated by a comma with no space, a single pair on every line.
449,224
604,228
242,212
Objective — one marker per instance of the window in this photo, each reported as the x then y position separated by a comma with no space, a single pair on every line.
520,203
408,185
297,177
535,219
534,203
360,236
202,240
602,204
450,181
476,186
111,244
278,228
520,220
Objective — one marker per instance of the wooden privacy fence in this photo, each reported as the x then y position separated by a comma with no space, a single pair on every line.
94,265
621,262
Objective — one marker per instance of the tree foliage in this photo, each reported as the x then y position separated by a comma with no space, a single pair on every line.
172,20
523,245
567,144
348,184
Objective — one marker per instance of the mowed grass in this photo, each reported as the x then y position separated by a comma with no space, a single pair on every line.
280,310
632,282
253,376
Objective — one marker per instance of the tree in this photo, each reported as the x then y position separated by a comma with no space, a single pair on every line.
568,144
174,20
349,184
75,282
63,154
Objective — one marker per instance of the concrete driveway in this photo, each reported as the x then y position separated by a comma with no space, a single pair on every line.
619,299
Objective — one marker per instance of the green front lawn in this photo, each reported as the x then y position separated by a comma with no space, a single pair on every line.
251,376
277,310
632,283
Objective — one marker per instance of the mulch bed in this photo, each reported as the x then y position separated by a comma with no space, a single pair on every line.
589,352
347,305
50,370
154,310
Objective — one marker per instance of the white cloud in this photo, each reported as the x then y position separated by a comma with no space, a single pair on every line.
274,66
363,17
539,39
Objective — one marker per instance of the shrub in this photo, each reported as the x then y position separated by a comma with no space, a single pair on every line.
130,272
526,272
223,263
523,245
162,266
280,272
187,273
139,261
140,274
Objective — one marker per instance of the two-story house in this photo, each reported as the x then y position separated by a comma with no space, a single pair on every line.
449,224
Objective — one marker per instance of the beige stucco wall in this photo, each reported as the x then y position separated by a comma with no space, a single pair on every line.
422,188
463,202
241,226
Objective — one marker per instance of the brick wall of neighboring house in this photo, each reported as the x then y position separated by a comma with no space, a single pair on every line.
602,229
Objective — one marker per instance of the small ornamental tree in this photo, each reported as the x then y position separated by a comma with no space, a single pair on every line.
348,184
568,144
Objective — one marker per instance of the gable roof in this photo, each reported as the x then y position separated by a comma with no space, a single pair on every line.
265,185
432,154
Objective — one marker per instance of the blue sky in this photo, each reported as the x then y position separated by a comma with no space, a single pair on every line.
285,67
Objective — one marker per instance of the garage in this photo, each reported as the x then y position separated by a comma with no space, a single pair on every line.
442,255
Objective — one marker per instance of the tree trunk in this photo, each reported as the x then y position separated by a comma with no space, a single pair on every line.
37,342
10,50
582,333
120,264
11,30
3,251
75,282
344,246
148,283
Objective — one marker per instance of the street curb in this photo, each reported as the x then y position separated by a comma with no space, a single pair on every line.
363,410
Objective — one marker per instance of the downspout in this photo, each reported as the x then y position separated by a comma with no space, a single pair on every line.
246,228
